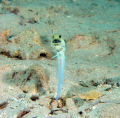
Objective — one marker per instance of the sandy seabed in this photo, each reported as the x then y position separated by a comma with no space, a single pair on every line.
28,84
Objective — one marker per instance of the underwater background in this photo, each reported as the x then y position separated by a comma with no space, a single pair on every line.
28,73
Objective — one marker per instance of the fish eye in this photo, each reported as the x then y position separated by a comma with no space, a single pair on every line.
60,36
56,41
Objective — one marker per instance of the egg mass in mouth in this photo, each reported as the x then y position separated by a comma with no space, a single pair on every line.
56,41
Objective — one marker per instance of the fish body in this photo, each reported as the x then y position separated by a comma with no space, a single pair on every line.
58,44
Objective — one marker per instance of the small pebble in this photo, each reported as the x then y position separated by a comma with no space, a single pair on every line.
21,96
